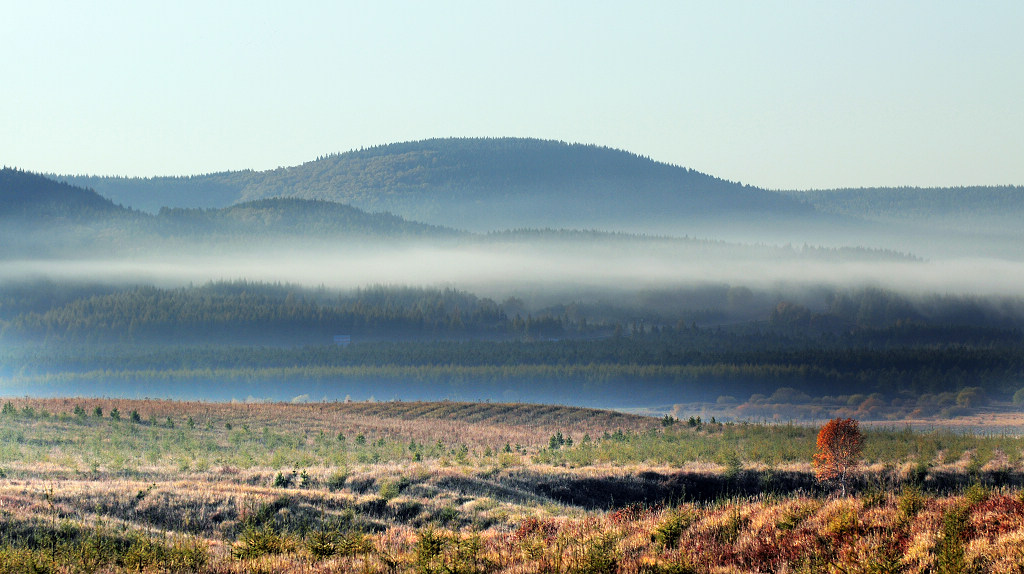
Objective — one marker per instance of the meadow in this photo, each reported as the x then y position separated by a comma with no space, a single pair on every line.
112,485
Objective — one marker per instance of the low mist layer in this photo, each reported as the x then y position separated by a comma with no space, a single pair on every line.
307,299
499,271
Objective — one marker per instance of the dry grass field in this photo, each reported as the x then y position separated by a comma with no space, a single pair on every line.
97,485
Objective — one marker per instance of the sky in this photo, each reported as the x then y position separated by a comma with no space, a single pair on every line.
781,95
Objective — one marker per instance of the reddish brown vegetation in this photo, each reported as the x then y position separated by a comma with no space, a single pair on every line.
839,446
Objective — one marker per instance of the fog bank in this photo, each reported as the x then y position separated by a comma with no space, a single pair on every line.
495,271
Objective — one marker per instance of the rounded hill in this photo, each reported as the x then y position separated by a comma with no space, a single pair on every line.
483,184
486,184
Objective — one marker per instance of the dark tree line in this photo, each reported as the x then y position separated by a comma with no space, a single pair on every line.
866,341
294,314
251,312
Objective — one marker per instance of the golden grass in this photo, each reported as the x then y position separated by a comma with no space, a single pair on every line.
70,489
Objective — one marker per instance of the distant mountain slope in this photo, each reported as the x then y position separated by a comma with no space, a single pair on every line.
974,209
951,220
28,195
485,184
916,202
150,194
293,218
40,217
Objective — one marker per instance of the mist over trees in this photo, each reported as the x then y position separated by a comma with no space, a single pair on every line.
512,269
276,340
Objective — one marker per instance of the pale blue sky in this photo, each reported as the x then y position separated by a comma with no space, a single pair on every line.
776,94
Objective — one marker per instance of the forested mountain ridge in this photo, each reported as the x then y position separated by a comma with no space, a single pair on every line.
993,211
27,195
889,203
965,221
43,217
50,218
489,184
482,185
294,217
40,217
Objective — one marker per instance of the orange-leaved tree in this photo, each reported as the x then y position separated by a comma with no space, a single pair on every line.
839,446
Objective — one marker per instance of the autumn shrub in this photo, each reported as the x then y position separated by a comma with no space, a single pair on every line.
535,528
839,446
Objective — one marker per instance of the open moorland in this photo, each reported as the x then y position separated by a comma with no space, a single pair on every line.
110,485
